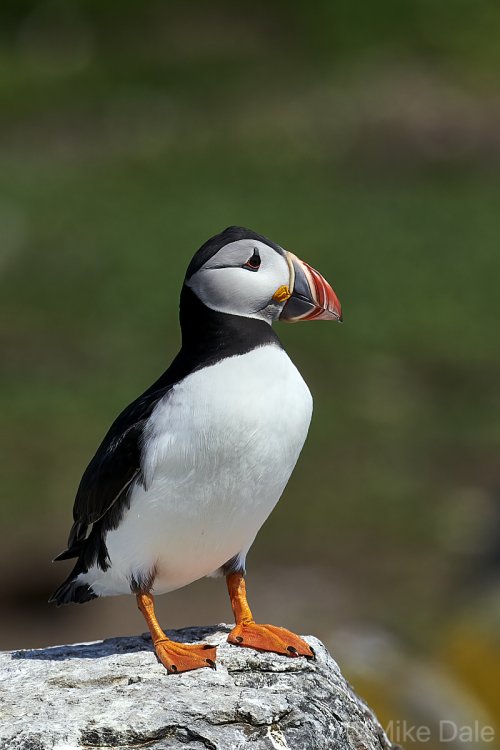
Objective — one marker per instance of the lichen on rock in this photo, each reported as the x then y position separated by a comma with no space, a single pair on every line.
114,694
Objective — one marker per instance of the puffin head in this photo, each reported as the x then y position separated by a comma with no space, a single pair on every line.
242,273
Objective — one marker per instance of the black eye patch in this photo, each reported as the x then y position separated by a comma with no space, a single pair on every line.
253,263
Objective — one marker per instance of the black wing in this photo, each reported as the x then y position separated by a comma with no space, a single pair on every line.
107,480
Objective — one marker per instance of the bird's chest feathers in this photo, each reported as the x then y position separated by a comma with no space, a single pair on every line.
242,420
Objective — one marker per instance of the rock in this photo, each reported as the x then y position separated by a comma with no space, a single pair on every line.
114,694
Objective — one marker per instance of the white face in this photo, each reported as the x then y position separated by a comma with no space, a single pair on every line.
241,279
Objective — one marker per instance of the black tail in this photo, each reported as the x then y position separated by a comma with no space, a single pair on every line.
69,553
87,552
72,591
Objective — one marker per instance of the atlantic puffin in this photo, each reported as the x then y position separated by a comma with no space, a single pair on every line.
190,470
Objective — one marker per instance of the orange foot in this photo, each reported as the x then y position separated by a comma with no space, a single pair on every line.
269,638
183,657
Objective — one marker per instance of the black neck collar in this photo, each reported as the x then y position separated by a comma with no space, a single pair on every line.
209,336
206,332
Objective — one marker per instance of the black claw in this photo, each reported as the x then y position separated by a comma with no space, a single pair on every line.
239,639
292,650
313,652
173,668
207,645
211,663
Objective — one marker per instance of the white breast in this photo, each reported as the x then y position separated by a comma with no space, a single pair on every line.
218,452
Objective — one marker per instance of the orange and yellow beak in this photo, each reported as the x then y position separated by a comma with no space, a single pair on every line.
311,296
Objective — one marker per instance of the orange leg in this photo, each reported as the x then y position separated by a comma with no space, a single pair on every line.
176,657
246,632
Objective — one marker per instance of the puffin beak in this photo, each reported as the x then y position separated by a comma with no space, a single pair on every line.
312,297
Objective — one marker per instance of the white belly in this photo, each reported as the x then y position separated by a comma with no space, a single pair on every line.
219,451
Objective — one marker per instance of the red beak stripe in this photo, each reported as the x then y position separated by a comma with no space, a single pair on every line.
327,302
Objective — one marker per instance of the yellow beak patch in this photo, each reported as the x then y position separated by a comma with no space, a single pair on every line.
282,294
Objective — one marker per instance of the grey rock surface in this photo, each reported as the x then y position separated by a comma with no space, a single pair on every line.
114,694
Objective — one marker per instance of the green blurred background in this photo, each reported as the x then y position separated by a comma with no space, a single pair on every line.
365,137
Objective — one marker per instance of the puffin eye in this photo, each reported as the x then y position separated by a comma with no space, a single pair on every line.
253,263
